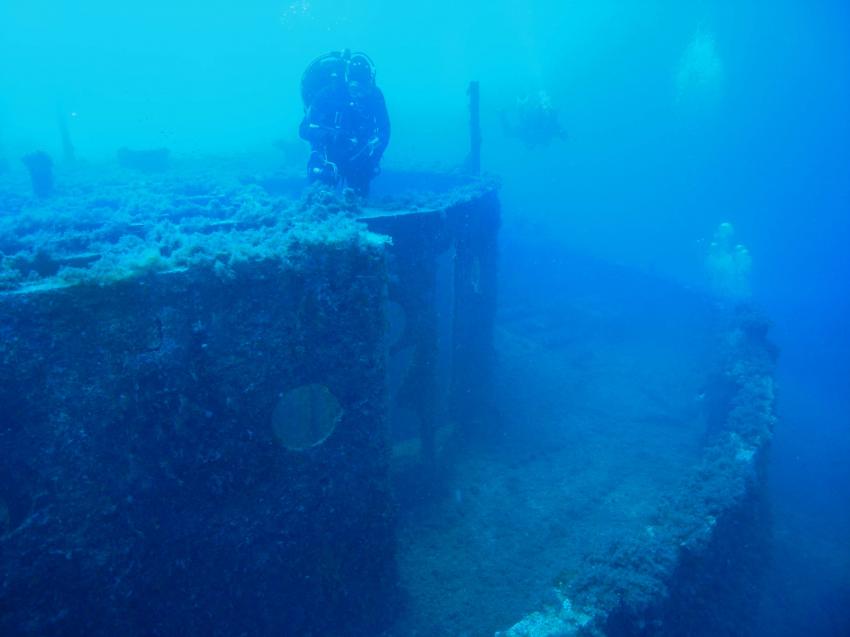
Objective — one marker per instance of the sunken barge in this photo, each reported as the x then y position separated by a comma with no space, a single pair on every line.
233,408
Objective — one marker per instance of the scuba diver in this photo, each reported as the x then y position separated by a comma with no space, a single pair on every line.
345,120
534,121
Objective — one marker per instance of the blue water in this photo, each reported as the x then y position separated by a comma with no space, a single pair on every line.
679,116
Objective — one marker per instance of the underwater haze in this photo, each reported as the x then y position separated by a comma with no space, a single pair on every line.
678,118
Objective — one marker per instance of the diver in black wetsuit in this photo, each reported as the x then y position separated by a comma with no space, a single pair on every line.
345,120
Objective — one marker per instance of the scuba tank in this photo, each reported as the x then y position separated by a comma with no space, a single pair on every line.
334,67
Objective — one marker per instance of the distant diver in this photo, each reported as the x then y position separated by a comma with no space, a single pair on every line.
534,121
345,120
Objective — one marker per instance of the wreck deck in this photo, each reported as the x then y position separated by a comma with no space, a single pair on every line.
564,466
619,459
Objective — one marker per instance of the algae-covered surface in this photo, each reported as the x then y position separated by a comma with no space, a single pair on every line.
572,498
147,485
602,415
104,224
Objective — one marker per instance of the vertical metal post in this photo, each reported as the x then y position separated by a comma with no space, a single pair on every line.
475,227
474,160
